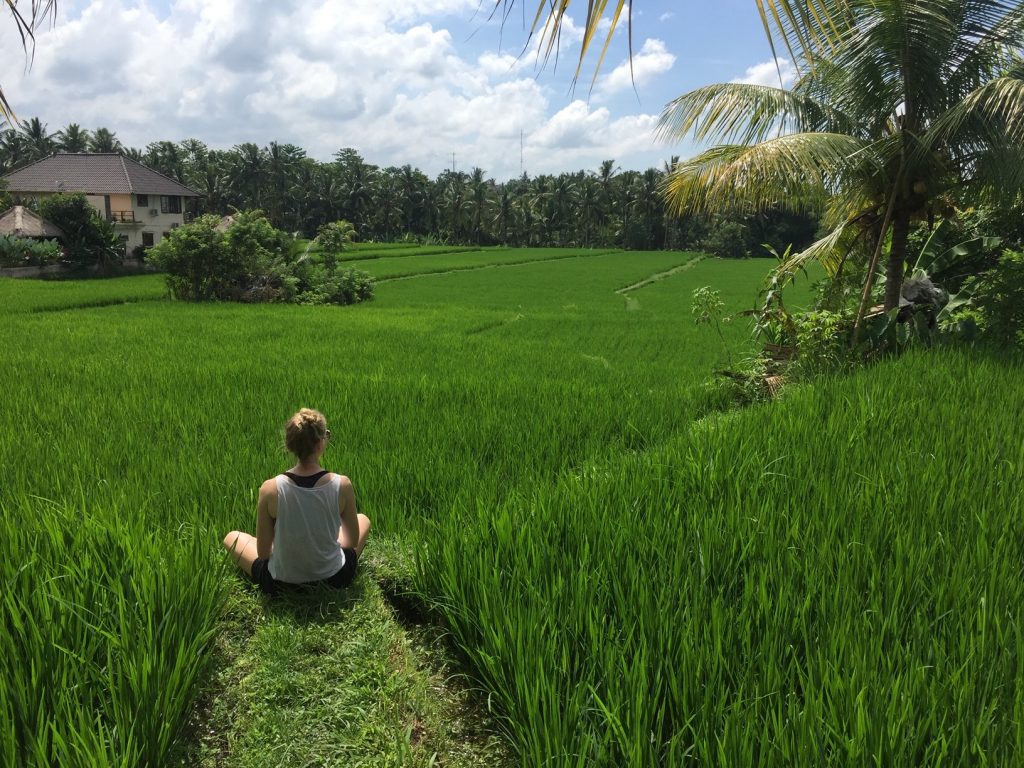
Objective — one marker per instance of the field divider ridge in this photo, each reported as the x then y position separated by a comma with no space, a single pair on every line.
405,253
657,276
492,266
98,303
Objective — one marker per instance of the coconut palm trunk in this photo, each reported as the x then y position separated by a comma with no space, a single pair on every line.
897,259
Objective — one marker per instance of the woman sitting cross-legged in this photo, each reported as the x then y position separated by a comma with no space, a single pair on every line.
307,526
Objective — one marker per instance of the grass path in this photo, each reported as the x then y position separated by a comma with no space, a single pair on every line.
500,265
334,679
661,275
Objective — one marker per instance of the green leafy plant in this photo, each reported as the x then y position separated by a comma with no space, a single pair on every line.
707,309
251,262
26,252
999,298
89,239
335,238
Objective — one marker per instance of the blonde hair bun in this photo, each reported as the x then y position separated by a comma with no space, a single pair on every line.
303,431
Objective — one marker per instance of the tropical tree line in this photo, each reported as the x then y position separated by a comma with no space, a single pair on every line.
604,207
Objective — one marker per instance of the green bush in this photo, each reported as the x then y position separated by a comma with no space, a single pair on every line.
251,262
26,252
89,239
730,240
999,298
334,239
821,342
195,258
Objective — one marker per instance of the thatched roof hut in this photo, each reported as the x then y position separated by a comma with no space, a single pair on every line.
22,222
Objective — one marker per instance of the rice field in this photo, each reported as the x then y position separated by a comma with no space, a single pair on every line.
633,578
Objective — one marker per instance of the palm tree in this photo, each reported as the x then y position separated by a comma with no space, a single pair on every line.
902,103
104,140
478,199
413,190
12,149
282,161
589,201
166,157
503,214
388,212
74,138
38,143
249,173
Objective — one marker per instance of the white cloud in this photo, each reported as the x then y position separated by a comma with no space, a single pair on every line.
577,136
652,60
767,73
386,78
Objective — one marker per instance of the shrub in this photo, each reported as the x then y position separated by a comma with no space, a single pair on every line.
255,244
251,262
999,298
730,240
26,252
334,238
195,258
89,239
821,342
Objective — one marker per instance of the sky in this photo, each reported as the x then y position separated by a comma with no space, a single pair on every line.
434,83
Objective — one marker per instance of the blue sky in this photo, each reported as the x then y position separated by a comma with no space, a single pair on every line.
411,81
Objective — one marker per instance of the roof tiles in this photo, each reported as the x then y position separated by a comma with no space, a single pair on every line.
93,174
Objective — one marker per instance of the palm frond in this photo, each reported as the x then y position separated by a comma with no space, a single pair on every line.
26,26
798,171
550,15
991,114
992,34
810,30
830,251
745,113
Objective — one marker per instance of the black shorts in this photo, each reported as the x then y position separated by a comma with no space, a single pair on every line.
271,586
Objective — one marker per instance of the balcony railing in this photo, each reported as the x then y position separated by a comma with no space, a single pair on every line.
123,217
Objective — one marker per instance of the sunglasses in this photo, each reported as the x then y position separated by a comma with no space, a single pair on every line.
327,434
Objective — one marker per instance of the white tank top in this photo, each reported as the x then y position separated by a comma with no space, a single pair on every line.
306,544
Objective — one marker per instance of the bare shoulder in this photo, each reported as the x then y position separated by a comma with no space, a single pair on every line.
343,480
269,488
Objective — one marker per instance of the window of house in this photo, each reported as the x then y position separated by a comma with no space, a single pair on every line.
147,239
170,204
142,201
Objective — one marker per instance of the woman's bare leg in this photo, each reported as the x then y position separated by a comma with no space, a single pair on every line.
364,531
242,547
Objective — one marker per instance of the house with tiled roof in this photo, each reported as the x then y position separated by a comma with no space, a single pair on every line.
143,205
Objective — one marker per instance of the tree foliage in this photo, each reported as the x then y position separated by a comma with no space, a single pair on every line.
250,262
89,239
898,105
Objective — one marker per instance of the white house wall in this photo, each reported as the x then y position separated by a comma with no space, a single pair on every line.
159,224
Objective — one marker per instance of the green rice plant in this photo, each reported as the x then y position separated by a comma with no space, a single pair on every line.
385,268
359,251
20,296
106,625
821,580
829,579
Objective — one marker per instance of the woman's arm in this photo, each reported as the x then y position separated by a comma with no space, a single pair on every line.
349,519
266,511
